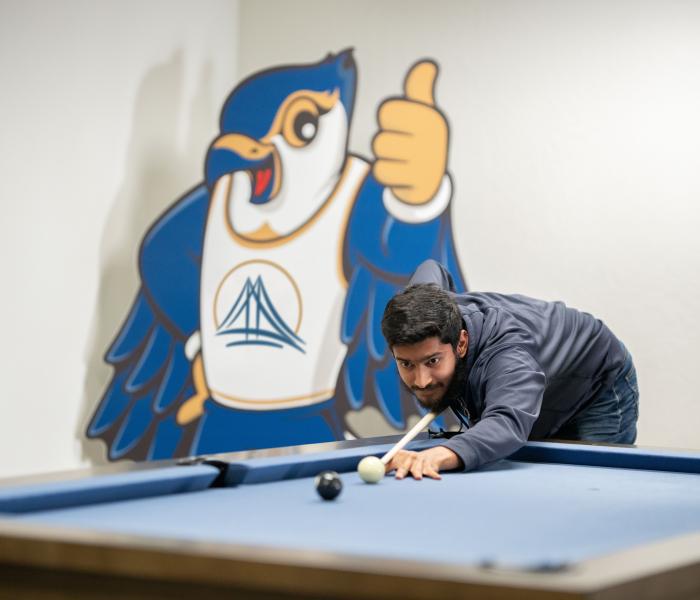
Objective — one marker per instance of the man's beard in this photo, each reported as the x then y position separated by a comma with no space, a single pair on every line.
454,394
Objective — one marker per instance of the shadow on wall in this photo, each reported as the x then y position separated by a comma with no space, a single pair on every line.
157,171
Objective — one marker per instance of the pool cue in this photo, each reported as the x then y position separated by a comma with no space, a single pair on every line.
415,430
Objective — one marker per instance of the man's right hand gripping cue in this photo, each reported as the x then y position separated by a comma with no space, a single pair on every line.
427,463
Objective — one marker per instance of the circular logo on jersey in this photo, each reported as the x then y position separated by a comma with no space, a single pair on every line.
258,304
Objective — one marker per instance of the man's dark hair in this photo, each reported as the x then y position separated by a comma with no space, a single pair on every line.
419,312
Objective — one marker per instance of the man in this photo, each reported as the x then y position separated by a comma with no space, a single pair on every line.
511,368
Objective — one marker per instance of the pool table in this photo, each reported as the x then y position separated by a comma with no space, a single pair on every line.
554,520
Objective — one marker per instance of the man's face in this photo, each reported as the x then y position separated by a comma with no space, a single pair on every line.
427,367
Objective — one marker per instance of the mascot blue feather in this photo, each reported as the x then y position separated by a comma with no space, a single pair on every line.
381,253
151,372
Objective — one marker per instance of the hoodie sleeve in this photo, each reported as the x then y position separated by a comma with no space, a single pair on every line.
431,271
508,379
512,385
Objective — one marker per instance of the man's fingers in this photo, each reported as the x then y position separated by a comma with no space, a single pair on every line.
402,463
415,463
417,468
402,471
431,472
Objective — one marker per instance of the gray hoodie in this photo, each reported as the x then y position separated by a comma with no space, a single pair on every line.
531,365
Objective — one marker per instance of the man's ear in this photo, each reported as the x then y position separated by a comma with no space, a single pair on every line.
463,343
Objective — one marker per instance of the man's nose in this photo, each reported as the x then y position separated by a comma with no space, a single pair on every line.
423,377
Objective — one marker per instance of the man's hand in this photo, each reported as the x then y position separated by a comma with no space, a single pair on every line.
428,462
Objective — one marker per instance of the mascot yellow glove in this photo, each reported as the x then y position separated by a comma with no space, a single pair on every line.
411,145
193,407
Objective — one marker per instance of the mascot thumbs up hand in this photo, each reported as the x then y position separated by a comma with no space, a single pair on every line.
411,145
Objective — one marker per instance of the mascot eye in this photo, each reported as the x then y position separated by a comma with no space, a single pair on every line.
306,126
300,124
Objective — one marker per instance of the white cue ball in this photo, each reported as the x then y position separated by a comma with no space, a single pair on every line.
371,469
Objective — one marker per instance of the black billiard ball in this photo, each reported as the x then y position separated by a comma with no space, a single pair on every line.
328,484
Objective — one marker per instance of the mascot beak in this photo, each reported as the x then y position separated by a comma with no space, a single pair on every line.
236,152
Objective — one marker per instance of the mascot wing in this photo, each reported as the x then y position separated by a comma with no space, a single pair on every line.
152,374
381,254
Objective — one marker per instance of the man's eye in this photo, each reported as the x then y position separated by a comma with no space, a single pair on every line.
404,364
433,361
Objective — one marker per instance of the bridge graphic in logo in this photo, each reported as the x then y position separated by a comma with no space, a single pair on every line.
253,320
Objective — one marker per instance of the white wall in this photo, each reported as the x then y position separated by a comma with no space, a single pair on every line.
575,146
106,112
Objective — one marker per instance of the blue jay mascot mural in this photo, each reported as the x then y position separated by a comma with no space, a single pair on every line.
257,323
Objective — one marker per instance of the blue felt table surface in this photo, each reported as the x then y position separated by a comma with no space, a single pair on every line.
513,513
